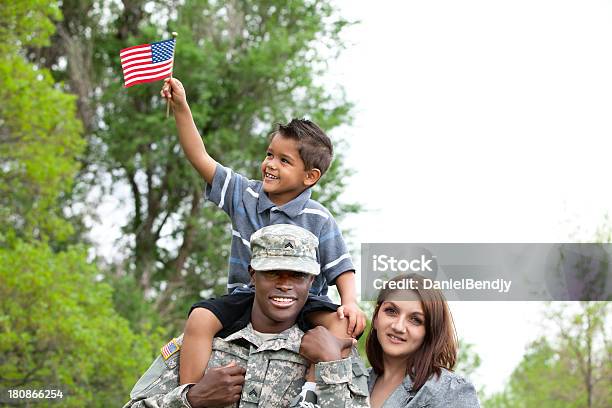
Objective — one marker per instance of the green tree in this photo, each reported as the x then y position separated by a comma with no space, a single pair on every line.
245,65
58,328
572,369
39,135
468,360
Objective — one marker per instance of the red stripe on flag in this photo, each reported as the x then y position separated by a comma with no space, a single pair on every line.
141,61
136,56
131,48
149,79
142,51
147,72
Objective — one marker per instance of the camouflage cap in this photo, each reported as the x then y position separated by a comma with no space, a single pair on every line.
284,247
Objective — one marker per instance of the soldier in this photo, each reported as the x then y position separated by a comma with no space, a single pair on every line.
265,363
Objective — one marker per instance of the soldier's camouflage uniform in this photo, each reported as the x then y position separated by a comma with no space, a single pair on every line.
274,368
274,374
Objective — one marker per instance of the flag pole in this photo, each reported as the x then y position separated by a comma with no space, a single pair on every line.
174,35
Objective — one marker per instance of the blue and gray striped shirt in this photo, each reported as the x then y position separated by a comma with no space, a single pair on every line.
250,209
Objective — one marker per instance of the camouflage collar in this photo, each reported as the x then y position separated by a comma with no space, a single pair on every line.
289,339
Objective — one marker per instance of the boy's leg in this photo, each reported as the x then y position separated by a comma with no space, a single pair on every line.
209,318
201,327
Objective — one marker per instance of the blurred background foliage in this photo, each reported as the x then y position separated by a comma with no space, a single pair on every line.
569,366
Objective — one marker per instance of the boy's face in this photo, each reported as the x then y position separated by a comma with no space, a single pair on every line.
279,298
283,172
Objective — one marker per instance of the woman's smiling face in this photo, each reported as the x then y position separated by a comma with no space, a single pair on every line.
400,327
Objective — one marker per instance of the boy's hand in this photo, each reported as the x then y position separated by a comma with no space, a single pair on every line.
174,92
357,319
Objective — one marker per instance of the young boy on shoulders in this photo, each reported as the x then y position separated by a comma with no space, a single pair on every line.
298,155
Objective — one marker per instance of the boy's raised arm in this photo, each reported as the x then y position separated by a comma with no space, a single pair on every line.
189,137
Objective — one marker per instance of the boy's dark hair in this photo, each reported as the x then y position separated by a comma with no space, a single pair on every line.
314,146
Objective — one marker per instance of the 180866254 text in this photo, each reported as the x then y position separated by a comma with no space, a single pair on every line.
13,395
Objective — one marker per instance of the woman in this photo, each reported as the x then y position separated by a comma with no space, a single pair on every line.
412,347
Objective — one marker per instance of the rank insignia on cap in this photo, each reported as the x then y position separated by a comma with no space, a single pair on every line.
169,349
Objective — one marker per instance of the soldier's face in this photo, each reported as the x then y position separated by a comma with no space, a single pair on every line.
279,298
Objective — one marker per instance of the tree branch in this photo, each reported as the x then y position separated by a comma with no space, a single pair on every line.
137,200
178,263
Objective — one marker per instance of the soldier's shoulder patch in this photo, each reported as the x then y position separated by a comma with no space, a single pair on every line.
169,349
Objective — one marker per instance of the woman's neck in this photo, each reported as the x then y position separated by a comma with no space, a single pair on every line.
394,371
394,368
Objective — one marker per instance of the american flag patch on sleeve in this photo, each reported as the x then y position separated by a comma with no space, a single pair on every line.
169,349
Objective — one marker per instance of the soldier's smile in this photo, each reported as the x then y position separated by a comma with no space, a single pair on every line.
282,302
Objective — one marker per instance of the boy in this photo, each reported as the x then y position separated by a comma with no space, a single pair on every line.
297,157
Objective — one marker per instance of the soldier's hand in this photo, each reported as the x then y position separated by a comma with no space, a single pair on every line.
220,386
319,345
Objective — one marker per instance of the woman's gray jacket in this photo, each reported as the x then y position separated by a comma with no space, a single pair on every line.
448,390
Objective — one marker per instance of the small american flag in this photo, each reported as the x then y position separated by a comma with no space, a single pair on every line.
147,62
169,349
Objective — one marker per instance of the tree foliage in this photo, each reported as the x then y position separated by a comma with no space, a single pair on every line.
39,134
571,369
468,360
58,328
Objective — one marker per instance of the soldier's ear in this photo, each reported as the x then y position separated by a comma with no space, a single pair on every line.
252,273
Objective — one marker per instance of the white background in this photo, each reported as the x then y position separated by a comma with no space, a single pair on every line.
479,121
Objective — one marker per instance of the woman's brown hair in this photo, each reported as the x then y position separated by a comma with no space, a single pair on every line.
439,348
